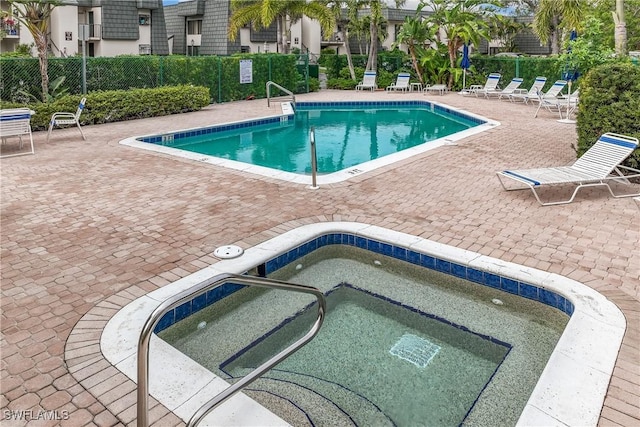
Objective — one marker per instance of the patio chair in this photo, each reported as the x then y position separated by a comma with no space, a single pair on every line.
562,103
491,85
401,83
16,122
524,95
440,88
598,166
65,118
508,90
368,81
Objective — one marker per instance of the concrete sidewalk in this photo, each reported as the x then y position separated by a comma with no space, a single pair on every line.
88,226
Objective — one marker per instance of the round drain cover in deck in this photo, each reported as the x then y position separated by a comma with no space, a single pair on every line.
228,252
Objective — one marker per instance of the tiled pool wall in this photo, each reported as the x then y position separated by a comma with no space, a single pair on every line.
170,138
523,289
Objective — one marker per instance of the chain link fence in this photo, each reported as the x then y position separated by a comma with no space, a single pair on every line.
20,78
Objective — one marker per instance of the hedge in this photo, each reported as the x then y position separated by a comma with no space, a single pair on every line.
610,102
118,105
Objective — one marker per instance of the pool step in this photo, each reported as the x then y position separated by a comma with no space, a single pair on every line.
324,403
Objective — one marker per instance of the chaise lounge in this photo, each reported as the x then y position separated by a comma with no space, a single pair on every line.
598,166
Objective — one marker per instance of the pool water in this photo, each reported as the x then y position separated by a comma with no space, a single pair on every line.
379,358
395,366
345,136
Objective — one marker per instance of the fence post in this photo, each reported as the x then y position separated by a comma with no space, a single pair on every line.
307,72
219,79
161,71
269,62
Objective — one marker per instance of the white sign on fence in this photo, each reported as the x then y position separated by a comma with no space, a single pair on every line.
246,71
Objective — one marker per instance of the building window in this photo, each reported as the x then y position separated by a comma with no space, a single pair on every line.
144,49
144,19
245,49
194,27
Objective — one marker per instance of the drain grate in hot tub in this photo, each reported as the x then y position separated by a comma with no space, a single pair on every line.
415,349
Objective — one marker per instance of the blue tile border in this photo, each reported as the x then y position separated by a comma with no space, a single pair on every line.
525,290
171,138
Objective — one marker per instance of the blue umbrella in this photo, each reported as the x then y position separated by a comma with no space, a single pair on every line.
465,64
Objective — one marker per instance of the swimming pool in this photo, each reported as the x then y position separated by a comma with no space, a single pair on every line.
571,387
351,138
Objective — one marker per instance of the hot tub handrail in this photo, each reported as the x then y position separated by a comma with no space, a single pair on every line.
287,91
198,289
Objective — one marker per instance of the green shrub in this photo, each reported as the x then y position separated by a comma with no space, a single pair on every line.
609,102
118,105
344,84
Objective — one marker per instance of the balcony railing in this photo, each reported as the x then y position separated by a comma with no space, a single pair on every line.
95,31
11,30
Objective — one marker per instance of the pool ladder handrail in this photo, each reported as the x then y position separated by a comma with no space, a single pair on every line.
199,289
287,91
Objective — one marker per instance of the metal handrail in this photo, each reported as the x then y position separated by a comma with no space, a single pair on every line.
287,91
314,158
199,289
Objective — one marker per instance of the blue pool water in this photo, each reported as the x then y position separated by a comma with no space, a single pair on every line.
346,134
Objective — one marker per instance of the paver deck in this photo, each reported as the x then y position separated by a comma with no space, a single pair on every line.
87,227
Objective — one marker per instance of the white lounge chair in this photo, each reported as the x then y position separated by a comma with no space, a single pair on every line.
524,95
508,90
368,81
440,88
401,83
16,122
598,166
559,104
64,118
491,85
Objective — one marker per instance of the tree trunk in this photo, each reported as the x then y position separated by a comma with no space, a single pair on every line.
279,31
285,35
416,64
555,37
43,60
620,33
452,46
372,61
347,49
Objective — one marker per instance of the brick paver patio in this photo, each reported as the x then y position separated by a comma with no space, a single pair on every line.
89,226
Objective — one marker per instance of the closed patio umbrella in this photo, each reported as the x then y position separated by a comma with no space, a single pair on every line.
465,64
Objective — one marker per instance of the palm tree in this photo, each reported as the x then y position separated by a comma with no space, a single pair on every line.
375,20
352,7
262,13
34,15
553,15
416,35
461,22
620,34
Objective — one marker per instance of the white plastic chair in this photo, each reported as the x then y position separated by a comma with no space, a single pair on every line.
491,85
525,95
401,83
65,118
598,166
16,122
368,81
508,90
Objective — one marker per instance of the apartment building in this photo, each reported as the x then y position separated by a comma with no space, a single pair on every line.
113,27
199,27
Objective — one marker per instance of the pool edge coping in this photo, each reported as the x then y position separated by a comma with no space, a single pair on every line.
326,179
570,377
